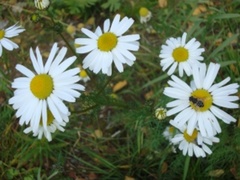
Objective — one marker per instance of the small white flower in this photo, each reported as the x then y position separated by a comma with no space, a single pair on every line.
46,88
83,75
42,4
108,46
52,126
197,104
194,143
145,15
160,113
5,34
178,53
168,133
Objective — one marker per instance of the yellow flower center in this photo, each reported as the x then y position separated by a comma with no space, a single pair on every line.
180,54
143,12
201,100
42,86
171,129
2,33
50,118
83,73
190,138
107,41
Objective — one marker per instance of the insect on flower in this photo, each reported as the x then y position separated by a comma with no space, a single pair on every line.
197,102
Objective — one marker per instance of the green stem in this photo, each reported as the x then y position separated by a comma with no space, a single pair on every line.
186,167
86,110
104,86
68,45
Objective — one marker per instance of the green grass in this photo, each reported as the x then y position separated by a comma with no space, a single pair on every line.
132,144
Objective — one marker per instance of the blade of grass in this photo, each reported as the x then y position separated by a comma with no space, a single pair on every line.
226,16
95,168
100,159
186,167
222,46
160,78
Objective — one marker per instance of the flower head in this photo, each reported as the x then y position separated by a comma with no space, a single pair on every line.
145,15
198,104
177,52
10,32
194,143
52,126
46,88
108,46
41,4
83,75
169,132
160,113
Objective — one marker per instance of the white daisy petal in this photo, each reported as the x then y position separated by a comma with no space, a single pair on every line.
0,50
40,62
129,38
222,115
98,32
192,123
25,71
84,41
106,25
89,33
9,45
115,23
211,75
220,84
51,57
55,70
44,114
58,59
34,61
175,93
172,68
176,109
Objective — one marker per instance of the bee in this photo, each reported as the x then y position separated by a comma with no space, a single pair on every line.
197,102
193,99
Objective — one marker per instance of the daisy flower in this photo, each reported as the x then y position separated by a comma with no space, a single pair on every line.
52,126
194,143
5,34
108,46
168,134
46,88
83,75
178,53
160,113
145,15
41,4
198,104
